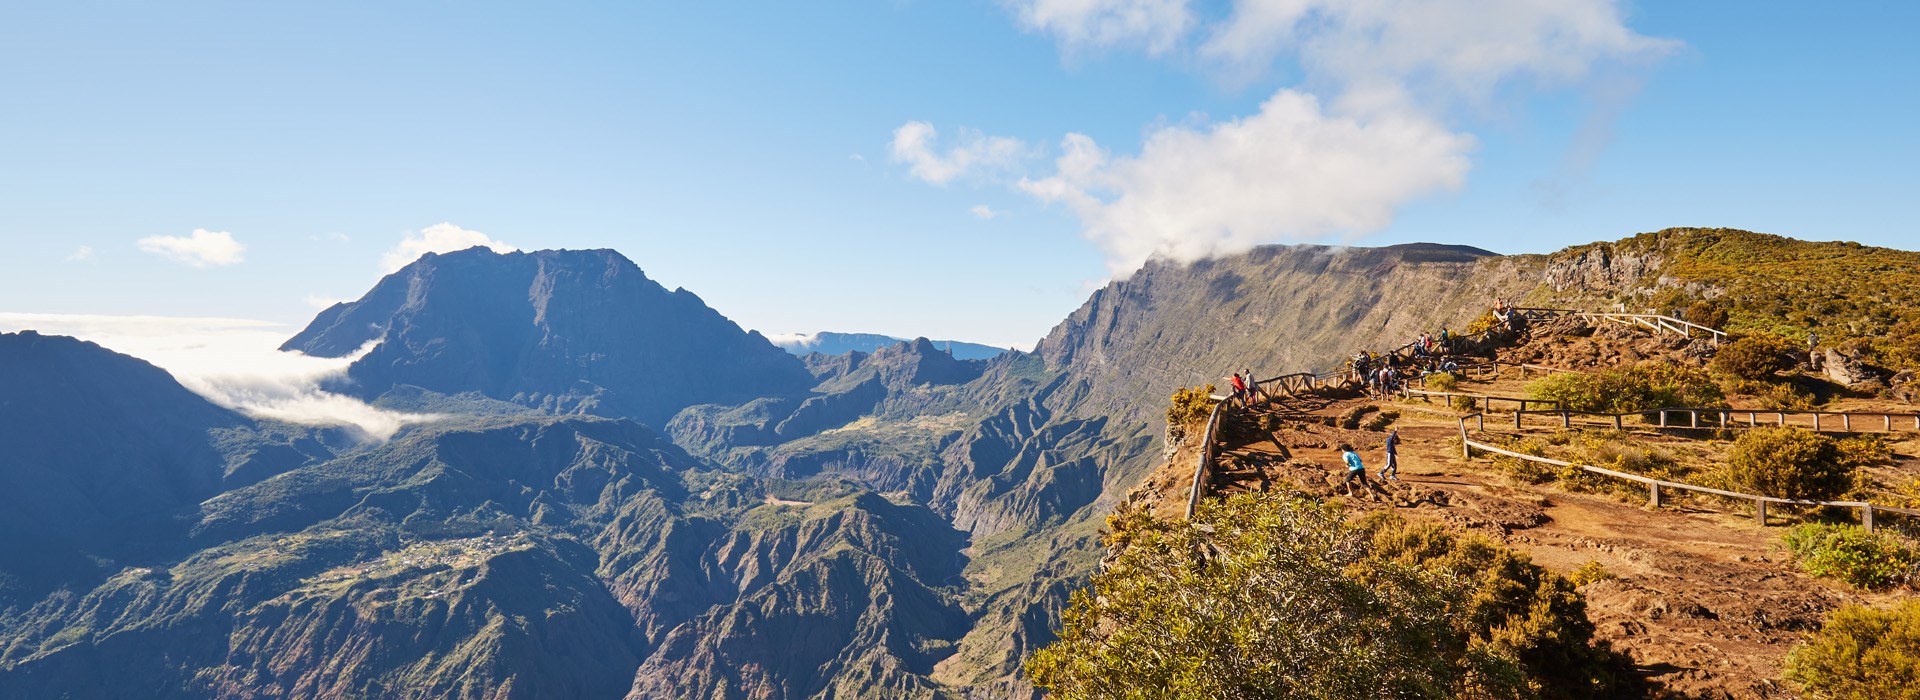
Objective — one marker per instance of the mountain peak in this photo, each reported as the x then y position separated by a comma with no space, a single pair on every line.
567,331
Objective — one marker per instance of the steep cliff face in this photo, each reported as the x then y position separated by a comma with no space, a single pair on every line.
1275,310
563,331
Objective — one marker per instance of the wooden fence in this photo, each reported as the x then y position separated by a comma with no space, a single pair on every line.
1485,401
1722,418
1654,322
1203,467
1468,445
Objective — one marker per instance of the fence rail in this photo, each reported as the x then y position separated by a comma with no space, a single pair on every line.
1654,322
1468,445
1486,400
1203,467
1723,418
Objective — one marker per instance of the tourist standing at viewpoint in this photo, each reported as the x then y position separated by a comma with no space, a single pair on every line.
1392,468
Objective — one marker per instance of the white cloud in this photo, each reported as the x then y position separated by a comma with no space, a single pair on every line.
1440,49
232,362
1290,172
983,211
1156,25
334,237
201,249
438,238
1365,132
81,254
916,144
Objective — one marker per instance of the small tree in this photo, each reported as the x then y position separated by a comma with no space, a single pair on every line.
1707,314
1862,653
1754,357
1789,463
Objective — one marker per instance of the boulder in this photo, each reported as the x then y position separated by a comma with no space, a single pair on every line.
1846,368
1904,387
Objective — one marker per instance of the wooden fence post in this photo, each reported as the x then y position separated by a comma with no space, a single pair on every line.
1760,511
1655,488
1846,422
1616,422
1866,516
1663,419
1566,419
1695,417
1516,419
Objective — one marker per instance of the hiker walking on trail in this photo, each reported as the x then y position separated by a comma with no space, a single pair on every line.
1253,386
1392,468
1240,390
1356,470
1384,382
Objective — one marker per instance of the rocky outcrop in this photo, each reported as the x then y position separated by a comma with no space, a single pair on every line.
1846,367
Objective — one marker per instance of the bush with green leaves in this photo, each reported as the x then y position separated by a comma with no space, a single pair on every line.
1631,389
1262,596
1442,381
1190,408
1757,357
1862,653
1707,313
1789,463
1867,560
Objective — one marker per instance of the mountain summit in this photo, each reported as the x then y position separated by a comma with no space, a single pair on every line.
565,331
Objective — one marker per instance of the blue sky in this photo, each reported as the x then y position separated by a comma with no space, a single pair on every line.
751,152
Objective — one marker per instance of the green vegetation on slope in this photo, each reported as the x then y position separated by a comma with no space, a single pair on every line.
1269,597
1863,654
1845,292
1641,387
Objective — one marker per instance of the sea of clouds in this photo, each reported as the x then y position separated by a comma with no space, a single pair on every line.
235,363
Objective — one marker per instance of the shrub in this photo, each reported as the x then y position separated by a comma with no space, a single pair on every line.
1755,357
1190,408
1629,389
1463,403
1865,559
1861,653
1789,463
1707,314
1264,596
1442,381
1483,324
1590,572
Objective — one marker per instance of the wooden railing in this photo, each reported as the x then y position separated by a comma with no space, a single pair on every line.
1654,322
1486,401
1726,418
1468,445
1203,467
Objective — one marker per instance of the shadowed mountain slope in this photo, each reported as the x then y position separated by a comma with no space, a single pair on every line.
562,331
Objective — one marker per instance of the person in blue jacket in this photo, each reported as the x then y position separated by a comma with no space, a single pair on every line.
1392,468
1356,469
